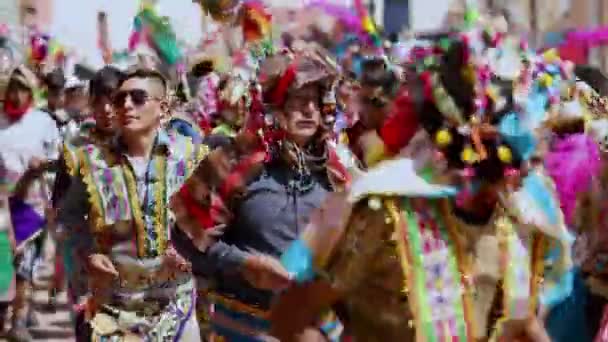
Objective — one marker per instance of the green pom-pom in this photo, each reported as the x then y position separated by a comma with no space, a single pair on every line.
445,43
471,16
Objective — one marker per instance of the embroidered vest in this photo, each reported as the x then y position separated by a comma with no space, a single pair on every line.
113,193
439,276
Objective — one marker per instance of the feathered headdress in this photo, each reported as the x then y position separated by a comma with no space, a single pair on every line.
149,27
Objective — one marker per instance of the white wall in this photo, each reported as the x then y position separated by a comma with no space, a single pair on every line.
428,15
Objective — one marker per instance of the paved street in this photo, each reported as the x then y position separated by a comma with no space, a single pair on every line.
53,326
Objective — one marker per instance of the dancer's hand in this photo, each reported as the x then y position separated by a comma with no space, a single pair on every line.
36,164
12,244
266,273
531,330
100,265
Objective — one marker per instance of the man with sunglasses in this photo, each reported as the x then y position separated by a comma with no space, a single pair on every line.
140,287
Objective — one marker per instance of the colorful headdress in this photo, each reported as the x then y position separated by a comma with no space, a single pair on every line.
220,10
292,70
235,89
156,31
8,58
480,103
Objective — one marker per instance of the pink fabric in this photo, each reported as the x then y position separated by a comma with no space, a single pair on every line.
572,162
207,95
602,334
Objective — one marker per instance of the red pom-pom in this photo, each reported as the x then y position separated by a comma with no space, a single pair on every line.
401,126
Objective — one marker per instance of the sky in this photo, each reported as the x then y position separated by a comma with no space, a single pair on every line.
75,23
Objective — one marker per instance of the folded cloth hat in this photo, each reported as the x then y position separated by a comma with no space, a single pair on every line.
25,77
290,70
74,82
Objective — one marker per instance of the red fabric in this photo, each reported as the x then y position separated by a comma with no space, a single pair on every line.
577,53
401,126
354,133
279,94
205,126
200,214
602,334
256,21
337,170
217,213
236,178
16,113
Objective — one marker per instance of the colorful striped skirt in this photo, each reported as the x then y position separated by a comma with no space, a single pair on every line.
233,321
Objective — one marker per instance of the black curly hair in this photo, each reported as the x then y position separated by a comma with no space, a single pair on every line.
462,92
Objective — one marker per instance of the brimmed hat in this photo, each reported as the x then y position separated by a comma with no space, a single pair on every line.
291,70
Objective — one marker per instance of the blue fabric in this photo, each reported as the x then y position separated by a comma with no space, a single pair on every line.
517,128
297,260
563,288
184,128
517,135
567,321
266,221
536,107
242,318
554,38
537,188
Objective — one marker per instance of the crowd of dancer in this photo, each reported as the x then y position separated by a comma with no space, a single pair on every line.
442,189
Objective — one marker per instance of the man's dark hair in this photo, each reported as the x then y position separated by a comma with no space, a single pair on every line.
593,77
105,81
55,80
146,74
375,73
202,68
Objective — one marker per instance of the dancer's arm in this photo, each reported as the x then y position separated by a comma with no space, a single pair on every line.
341,271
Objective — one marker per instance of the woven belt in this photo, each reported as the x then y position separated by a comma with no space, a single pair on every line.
237,306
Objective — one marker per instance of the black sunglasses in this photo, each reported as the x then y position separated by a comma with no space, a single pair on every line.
139,97
375,101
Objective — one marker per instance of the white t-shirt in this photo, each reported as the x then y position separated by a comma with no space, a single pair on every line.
34,136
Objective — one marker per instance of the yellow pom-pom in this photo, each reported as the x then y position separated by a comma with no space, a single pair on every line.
368,25
492,93
504,154
546,80
468,73
468,155
551,56
443,138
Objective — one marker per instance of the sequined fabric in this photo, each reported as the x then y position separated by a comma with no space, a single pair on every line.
367,270
365,267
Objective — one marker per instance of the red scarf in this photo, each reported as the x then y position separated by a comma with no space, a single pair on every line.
15,113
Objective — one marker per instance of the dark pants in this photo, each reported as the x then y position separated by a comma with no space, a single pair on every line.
82,328
595,310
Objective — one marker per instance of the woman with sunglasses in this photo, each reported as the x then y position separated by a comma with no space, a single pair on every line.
270,202
141,289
